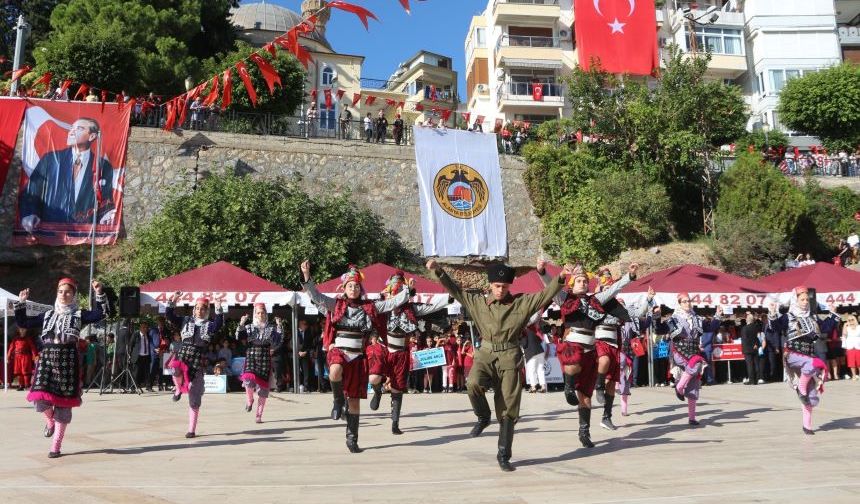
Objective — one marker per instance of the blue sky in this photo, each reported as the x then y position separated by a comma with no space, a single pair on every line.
435,25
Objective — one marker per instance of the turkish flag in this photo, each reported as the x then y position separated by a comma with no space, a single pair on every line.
327,93
537,91
622,35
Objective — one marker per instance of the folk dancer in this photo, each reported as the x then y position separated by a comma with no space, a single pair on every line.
264,339
196,331
350,318
57,386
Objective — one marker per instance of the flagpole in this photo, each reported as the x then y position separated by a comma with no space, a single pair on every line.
97,190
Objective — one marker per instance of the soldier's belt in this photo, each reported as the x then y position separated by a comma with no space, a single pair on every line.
349,340
396,344
501,347
581,336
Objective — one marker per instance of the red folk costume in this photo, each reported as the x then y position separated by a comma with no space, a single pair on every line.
22,353
349,323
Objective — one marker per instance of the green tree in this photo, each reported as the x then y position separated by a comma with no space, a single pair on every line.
287,97
756,191
774,140
829,217
606,216
745,248
100,59
168,38
825,104
37,14
265,226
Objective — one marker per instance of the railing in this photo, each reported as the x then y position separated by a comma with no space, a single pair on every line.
262,123
378,83
526,88
528,41
821,166
529,2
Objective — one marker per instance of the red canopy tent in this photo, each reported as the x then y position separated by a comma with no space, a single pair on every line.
531,282
375,277
833,284
220,282
707,288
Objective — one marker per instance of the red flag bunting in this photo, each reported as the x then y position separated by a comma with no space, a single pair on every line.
82,91
270,48
249,87
466,116
356,97
389,102
433,95
339,94
327,93
182,108
213,93
419,107
370,99
24,70
290,42
405,4
537,91
400,105
65,86
621,35
120,101
362,13
170,121
270,74
446,113
104,99
314,95
227,96
44,80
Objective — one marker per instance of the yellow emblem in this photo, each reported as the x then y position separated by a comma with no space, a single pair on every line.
461,191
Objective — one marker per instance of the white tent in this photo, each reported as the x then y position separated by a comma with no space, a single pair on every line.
6,300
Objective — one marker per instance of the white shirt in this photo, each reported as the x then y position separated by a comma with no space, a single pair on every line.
852,338
85,162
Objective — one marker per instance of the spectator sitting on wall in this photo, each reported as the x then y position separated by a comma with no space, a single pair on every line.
368,128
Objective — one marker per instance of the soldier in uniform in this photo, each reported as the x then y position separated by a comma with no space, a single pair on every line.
501,318
583,316
392,359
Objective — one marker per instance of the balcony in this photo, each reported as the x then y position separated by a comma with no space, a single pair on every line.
519,94
849,35
527,48
506,11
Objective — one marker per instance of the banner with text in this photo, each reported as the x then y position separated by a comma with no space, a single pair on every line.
73,167
460,190
431,357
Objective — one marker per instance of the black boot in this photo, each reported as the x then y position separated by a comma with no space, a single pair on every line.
396,403
482,410
584,426
600,388
506,439
606,423
377,396
569,389
352,433
337,404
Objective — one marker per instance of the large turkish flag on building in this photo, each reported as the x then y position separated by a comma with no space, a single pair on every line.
621,34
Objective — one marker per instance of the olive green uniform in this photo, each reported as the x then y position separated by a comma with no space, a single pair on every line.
498,361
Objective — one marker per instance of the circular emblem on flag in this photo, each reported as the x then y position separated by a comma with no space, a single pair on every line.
461,191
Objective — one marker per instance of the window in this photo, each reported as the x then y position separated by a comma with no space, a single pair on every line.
717,40
327,76
760,81
778,78
328,117
481,37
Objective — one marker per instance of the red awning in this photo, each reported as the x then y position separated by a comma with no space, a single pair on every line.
707,287
531,283
833,284
221,282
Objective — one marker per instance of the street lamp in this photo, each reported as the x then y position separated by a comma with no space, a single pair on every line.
692,20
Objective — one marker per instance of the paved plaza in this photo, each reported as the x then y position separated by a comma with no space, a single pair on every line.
124,448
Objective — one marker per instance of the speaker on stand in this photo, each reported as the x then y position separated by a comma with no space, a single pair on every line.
129,302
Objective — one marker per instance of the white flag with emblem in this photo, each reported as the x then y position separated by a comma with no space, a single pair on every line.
460,188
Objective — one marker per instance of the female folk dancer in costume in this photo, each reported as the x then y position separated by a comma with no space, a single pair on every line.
806,372
197,331
630,330
22,353
501,318
392,360
685,328
57,388
583,316
263,339
350,318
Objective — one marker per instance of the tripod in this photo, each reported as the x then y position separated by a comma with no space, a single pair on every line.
126,371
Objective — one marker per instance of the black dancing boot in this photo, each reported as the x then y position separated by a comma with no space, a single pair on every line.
339,400
570,389
600,388
584,426
506,439
396,403
352,433
377,396
606,423
482,410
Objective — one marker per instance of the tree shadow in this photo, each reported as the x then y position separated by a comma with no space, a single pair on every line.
182,446
608,446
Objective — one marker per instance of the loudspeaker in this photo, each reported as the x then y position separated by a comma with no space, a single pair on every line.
129,301
813,303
